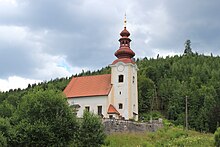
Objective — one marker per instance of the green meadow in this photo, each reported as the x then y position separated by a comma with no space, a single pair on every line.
166,137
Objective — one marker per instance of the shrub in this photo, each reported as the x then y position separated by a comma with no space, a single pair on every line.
91,131
217,137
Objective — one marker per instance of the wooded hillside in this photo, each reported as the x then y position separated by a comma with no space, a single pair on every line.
163,85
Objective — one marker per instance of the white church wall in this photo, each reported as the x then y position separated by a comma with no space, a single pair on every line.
91,102
134,93
125,92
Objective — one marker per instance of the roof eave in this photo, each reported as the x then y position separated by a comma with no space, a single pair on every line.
70,97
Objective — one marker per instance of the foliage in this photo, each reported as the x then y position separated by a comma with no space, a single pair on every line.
43,118
91,131
217,137
165,82
3,140
6,109
153,115
5,126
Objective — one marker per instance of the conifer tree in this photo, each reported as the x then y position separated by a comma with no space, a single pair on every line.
188,49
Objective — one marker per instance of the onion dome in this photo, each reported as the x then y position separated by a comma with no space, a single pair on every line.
125,33
124,53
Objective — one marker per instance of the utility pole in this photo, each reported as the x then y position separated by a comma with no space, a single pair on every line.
186,113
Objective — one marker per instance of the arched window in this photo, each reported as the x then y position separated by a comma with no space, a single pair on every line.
133,79
120,78
120,106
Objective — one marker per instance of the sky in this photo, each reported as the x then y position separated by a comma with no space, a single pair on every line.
45,39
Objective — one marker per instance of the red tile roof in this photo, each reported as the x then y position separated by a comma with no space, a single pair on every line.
112,110
98,85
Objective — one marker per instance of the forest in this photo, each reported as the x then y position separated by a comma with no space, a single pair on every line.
164,84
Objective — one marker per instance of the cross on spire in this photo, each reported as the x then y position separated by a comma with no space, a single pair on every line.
125,21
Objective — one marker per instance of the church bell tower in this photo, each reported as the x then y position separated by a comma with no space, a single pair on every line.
124,79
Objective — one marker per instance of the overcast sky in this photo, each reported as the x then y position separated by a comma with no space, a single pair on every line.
45,39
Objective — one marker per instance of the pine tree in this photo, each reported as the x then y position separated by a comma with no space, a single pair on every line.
188,49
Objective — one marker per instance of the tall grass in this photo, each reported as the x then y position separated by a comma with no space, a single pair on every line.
168,137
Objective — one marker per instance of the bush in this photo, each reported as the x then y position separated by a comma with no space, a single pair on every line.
217,137
91,131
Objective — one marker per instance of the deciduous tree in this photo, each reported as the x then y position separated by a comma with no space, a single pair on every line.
44,118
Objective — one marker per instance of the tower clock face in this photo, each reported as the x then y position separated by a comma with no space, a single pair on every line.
120,68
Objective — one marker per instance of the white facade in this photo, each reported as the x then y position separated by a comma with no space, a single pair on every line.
90,102
125,91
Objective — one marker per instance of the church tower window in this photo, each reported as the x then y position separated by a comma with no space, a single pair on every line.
121,78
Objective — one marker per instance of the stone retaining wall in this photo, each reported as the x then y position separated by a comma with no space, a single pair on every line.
116,125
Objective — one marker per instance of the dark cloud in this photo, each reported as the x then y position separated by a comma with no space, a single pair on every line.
86,33
75,30
197,21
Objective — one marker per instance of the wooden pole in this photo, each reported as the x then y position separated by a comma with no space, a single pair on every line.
186,113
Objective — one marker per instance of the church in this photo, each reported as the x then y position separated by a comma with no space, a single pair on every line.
112,95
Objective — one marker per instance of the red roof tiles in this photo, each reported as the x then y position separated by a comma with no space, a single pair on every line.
112,110
98,85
